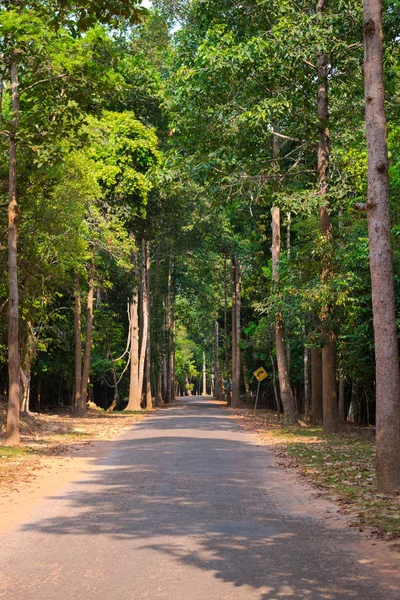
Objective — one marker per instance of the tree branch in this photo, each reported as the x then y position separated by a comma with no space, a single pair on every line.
48,80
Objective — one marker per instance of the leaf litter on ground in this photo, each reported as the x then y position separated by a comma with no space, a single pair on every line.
341,466
54,435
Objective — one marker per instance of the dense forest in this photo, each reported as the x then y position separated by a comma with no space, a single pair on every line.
195,190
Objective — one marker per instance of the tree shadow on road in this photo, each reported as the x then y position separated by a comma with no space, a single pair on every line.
201,502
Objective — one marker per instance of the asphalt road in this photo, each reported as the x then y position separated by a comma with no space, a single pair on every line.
186,506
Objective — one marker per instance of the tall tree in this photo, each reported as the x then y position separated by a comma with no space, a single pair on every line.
331,418
381,262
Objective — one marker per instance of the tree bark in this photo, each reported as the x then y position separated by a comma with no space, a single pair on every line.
115,402
380,256
14,385
316,387
204,375
307,395
235,401
226,341
246,382
149,401
88,346
217,375
144,320
173,362
236,282
276,395
283,374
331,419
134,392
26,367
168,395
342,402
158,396
78,345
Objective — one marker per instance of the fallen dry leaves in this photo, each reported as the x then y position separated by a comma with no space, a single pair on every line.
341,466
44,436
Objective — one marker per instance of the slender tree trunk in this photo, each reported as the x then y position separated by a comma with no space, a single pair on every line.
144,319
165,377
149,401
134,391
14,386
158,398
115,402
26,367
173,381
380,256
88,346
217,378
283,374
246,382
236,361
226,341
342,402
316,387
288,252
78,345
234,396
187,390
276,395
169,391
307,395
204,375
331,419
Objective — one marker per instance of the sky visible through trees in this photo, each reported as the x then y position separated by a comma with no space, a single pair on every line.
193,190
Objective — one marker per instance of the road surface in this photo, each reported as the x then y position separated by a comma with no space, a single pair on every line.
187,506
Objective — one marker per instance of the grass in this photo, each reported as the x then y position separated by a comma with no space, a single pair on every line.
12,452
342,466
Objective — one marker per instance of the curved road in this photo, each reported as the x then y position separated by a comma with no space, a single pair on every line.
186,506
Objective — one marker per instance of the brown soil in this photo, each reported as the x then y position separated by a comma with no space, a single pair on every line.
54,449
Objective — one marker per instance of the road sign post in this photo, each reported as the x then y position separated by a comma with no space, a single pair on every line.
260,375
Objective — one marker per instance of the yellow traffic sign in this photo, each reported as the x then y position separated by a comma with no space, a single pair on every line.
260,374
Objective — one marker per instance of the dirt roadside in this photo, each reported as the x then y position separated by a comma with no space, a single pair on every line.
55,450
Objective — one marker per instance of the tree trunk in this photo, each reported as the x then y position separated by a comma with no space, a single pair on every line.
217,377
204,375
115,402
149,400
342,402
283,374
236,283
234,396
14,386
88,346
226,341
276,395
173,364
144,320
288,252
316,387
246,382
78,345
134,391
331,418
26,367
169,392
307,395
158,396
380,256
